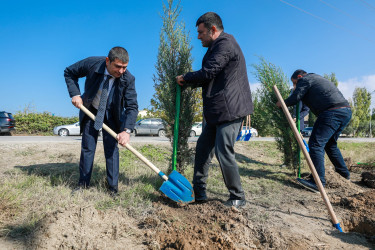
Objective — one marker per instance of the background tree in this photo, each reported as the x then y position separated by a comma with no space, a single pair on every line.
174,58
361,111
268,75
332,77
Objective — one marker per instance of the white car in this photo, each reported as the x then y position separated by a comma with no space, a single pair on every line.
71,129
196,129
253,131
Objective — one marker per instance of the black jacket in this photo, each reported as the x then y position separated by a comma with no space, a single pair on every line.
318,93
122,108
303,111
223,78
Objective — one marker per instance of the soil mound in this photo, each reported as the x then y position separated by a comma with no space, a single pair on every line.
198,226
368,179
212,226
85,228
361,218
338,187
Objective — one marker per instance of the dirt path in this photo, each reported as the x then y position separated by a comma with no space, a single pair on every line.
291,219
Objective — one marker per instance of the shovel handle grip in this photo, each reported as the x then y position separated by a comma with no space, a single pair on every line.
128,146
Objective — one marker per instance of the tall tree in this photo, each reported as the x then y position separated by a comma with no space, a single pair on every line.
332,77
268,75
361,111
174,58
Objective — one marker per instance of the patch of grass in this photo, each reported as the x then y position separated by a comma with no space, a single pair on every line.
23,229
358,152
26,152
139,196
28,193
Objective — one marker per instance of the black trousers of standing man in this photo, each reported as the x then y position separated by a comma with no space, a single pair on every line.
221,137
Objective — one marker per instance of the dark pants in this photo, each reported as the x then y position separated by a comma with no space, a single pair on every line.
221,137
325,133
89,141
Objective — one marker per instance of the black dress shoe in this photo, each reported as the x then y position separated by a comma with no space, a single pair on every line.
235,203
113,193
78,189
200,201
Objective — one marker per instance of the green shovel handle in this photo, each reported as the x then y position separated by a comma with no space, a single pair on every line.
176,125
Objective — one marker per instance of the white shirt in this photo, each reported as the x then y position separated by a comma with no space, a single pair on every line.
95,102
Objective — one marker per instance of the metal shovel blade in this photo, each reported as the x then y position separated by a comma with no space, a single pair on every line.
178,188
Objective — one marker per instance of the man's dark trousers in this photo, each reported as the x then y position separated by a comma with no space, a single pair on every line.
221,137
89,141
325,133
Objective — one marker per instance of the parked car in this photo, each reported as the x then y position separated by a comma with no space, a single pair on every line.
196,129
71,129
307,131
253,131
7,122
150,126
65,130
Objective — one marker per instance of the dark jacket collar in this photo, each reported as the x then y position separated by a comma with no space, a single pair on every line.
222,34
101,67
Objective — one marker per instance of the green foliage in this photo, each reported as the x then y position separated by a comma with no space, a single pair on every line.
332,77
269,75
39,123
361,111
174,58
258,119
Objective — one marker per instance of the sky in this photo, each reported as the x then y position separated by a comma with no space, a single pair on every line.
39,39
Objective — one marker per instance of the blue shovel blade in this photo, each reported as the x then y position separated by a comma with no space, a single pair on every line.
178,188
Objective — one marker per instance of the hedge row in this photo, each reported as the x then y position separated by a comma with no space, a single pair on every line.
40,123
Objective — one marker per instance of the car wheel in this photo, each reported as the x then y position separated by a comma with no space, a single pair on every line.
161,133
135,132
192,133
63,132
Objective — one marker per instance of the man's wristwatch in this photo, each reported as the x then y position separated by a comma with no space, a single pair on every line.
129,131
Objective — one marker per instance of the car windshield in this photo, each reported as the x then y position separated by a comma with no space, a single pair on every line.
3,115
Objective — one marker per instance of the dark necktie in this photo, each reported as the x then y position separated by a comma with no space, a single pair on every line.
102,105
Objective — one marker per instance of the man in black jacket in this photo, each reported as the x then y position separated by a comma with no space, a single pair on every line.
333,115
226,101
109,94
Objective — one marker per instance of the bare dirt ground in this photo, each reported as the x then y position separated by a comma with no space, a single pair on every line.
287,217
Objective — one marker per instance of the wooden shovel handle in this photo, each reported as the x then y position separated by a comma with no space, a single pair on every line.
307,156
133,150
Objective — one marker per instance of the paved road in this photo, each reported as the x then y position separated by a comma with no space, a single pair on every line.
150,139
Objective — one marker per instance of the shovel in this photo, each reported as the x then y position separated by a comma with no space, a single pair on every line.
175,187
308,159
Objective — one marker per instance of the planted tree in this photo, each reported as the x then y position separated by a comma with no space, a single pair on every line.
174,58
269,75
259,119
